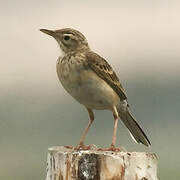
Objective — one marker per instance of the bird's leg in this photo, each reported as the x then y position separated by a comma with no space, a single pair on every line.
114,130
81,143
115,115
112,147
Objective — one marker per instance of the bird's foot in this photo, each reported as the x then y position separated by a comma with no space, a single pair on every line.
69,147
111,148
81,146
78,147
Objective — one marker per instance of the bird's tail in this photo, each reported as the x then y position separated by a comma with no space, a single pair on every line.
135,130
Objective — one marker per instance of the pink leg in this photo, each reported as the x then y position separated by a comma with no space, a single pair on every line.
112,147
114,130
91,116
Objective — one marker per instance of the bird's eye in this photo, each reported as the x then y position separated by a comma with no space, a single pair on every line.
66,37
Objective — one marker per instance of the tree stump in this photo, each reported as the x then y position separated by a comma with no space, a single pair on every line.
67,164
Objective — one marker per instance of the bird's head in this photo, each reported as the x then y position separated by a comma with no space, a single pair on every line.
68,39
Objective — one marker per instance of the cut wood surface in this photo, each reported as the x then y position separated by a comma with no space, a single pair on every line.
67,164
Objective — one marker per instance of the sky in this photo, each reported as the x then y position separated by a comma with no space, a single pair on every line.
140,39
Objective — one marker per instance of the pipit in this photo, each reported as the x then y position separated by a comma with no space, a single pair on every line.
89,79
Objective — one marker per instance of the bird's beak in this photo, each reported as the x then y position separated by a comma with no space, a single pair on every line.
49,32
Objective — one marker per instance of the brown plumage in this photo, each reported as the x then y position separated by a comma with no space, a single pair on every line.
89,78
101,67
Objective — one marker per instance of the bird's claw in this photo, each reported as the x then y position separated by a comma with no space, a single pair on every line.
111,148
81,146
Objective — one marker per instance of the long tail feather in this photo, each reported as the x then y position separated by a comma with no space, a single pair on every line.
135,130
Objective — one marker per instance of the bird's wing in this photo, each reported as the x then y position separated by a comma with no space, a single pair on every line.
101,67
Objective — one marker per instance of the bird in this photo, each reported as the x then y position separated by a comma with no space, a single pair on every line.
90,79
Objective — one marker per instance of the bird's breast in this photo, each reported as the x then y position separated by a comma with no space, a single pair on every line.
85,86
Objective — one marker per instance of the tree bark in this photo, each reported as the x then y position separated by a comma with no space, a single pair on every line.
67,164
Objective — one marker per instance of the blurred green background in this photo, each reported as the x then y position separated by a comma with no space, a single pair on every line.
140,39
